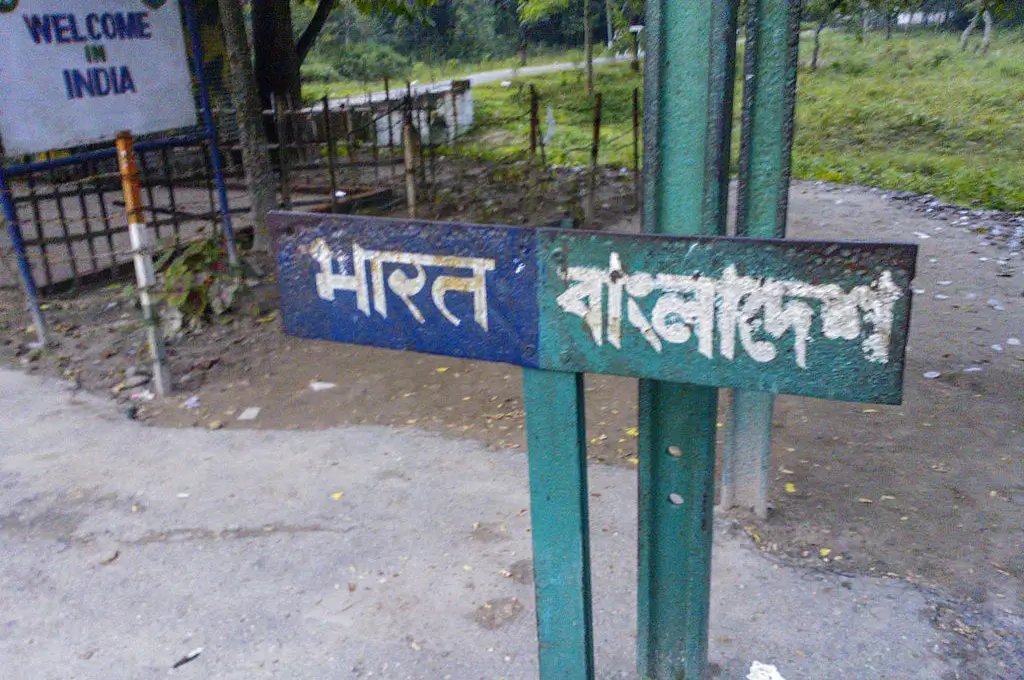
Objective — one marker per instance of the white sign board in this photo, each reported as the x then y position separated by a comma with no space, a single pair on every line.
79,71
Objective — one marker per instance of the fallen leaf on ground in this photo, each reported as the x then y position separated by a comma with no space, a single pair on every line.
790,487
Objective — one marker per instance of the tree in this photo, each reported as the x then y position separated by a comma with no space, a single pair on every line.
823,11
533,11
986,10
279,54
245,98
623,17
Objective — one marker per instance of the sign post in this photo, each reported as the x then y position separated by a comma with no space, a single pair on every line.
820,319
28,284
769,95
76,72
142,253
688,90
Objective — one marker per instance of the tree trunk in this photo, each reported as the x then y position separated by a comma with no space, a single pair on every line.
967,31
888,26
989,27
817,43
245,98
588,44
312,31
608,20
277,64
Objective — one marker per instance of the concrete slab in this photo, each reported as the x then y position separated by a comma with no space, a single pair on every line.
354,553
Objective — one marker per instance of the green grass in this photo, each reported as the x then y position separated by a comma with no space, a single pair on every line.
916,114
424,72
912,113
503,114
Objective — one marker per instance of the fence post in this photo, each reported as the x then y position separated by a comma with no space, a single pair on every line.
410,164
418,128
282,154
216,162
142,254
431,154
391,127
373,135
534,122
332,153
769,93
557,454
690,65
455,115
346,121
594,146
28,283
636,147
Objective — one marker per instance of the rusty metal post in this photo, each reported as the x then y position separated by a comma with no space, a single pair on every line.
373,135
391,127
282,154
410,164
332,154
594,147
346,123
419,125
534,122
142,247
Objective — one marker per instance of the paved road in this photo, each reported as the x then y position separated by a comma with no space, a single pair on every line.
355,552
478,79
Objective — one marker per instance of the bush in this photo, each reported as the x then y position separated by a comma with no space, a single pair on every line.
319,72
199,284
371,62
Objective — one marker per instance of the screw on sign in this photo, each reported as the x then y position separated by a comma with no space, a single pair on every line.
819,319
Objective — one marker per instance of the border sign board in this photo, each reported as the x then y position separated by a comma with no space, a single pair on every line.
819,319
74,72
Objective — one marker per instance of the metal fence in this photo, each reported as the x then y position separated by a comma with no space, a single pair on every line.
334,155
72,214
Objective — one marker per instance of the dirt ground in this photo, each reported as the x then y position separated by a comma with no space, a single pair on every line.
931,491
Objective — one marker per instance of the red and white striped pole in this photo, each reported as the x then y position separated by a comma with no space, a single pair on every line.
142,253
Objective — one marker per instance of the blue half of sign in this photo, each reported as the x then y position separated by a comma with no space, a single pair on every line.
465,291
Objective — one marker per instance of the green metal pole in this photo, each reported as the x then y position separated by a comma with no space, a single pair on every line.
557,447
690,68
769,94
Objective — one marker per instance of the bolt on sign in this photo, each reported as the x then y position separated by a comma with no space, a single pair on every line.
74,72
818,319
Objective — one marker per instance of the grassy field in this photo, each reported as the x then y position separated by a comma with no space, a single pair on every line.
912,113
423,72
915,113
